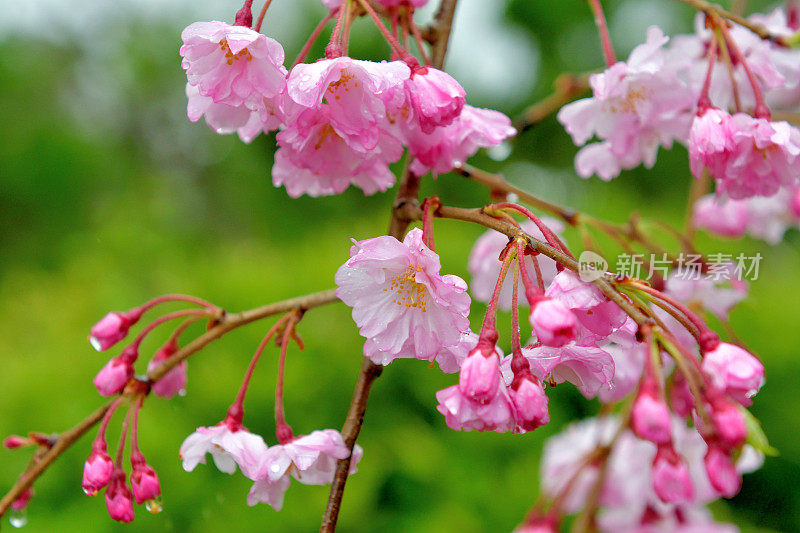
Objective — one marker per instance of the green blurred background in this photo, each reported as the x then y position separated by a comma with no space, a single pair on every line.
109,196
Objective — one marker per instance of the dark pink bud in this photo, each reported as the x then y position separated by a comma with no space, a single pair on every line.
144,480
113,377
680,396
530,403
118,498
479,378
729,422
671,480
650,418
15,441
22,501
721,472
174,381
97,469
112,328
553,323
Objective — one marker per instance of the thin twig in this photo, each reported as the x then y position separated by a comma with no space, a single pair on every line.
758,29
567,88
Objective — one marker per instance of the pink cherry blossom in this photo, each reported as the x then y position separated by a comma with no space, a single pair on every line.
450,358
728,421
436,98
449,147
710,141
348,94
628,368
529,403
717,291
315,158
119,500
637,105
749,156
233,65
397,294
225,119
734,370
721,216
484,264
586,367
722,473
228,447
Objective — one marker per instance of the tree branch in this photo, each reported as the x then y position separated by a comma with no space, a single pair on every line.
224,324
758,29
405,205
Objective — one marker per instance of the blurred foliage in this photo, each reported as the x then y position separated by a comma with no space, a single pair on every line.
109,196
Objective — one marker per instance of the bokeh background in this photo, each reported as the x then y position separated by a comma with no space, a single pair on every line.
109,196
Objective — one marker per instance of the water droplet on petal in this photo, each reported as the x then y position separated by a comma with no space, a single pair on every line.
96,344
499,152
512,197
18,518
182,392
89,492
154,506
275,468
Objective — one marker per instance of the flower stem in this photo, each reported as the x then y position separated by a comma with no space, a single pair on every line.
263,12
761,109
313,37
282,430
602,27
410,60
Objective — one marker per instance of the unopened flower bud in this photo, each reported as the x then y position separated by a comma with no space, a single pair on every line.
112,328
437,98
671,480
650,418
721,472
174,381
729,422
22,501
553,323
530,403
118,498
97,469
479,378
734,370
113,377
144,480
15,441
680,396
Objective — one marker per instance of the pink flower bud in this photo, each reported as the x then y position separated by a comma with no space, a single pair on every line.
680,396
650,418
118,498
436,97
113,377
530,403
112,328
795,203
22,501
729,422
721,472
174,381
15,441
97,469
734,370
144,480
479,378
671,480
553,323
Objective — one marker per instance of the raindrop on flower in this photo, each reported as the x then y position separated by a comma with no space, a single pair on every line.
154,506
18,519
182,392
499,152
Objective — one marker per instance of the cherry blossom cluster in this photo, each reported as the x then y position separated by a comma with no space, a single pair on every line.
341,120
712,92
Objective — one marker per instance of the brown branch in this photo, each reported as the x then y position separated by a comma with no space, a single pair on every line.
567,88
441,28
605,283
758,29
62,442
223,324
